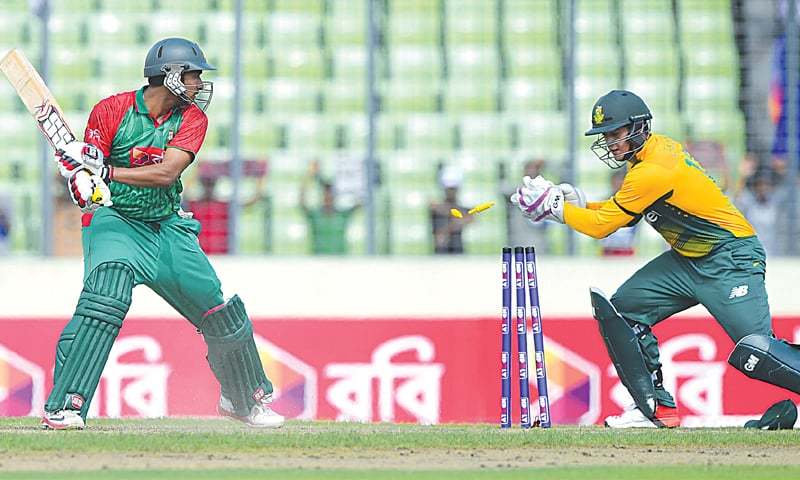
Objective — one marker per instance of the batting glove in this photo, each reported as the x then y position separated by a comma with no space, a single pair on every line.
82,187
76,156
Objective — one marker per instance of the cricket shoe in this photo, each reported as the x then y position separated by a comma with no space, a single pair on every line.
665,417
63,420
261,415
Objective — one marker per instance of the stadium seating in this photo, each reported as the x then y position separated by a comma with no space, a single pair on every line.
464,82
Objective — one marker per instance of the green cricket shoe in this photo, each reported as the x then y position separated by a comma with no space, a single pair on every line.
780,416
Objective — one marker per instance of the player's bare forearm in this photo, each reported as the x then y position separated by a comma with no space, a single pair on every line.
158,175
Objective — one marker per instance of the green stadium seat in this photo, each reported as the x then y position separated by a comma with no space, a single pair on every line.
285,95
479,167
286,169
18,30
344,97
429,133
659,93
346,25
541,134
527,95
529,23
350,63
312,7
670,124
254,33
484,133
409,168
294,30
594,23
406,95
310,133
290,233
302,63
473,62
413,30
705,20
463,96
599,61
249,6
653,60
712,59
534,61
259,134
416,63
255,64
711,92
470,23
422,8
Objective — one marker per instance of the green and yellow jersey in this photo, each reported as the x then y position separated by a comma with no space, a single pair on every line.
671,191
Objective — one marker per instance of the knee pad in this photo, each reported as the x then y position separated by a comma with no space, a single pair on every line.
233,356
769,360
84,345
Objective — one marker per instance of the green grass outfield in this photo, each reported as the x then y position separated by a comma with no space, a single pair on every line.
214,448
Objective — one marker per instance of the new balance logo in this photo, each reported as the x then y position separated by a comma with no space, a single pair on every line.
752,361
739,291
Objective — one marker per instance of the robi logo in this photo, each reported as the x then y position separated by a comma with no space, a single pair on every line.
294,381
21,385
141,156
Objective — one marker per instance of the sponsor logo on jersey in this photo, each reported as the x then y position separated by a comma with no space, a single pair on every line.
141,156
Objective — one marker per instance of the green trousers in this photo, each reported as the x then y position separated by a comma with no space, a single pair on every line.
729,282
164,256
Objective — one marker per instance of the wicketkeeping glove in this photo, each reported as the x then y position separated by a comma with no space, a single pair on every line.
573,194
538,199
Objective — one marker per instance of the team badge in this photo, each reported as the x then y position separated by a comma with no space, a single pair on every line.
598,116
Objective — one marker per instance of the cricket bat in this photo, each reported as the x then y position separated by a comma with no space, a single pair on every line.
40,102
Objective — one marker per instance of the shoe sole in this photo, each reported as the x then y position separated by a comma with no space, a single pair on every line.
231,416
48,425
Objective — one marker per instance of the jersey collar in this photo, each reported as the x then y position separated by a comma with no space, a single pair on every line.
141,108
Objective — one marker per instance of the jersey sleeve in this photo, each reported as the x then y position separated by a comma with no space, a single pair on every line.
192,131
643,185
101,128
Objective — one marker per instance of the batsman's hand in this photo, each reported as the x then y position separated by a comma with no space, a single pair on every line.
76,156
88,191
539,199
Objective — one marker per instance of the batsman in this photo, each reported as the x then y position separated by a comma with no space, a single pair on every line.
138,143
715,258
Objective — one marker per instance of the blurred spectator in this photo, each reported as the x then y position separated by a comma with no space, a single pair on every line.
327,223
763,208
212,211
5,224
521,231
66,222
447,228
747,168
711,155
621,243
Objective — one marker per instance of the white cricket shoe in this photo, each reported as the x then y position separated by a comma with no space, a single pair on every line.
666,417
63,420
261,415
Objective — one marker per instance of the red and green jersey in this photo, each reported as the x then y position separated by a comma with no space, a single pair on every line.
121,126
